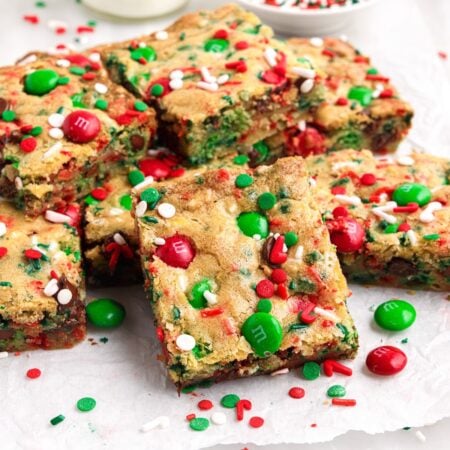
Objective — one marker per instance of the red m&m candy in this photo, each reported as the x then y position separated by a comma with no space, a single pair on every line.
178,251
386,360
347,235
81,127
154,168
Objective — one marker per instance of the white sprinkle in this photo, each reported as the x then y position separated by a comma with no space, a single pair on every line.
183,282
185,342
115,212
176,83
159,241
63,63
304,72
3,355
56,133
162,35
83,40
95,57
420,436
412,237
176,74
437,188
339,165
34,240
64,296
166,210
299,253
53,149
18,183
147,182
101,88
208,86
427,215
53,24
312,182
285,249
280,372
327,314
210,297
301,125
40,250
219,418
51,288
381,211
316,41
376,94
56,217
142,44
276,235
118,239
160,422
344,37
349,199
56,120
207,76
256,237
306,86
405,161
141,208
270,55
2,229
223,78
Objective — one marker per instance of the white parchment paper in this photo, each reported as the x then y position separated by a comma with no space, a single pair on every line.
129,384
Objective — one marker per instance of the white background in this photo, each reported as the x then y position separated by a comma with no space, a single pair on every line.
402,36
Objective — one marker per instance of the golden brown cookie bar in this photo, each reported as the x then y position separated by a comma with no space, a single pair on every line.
389,218
63,127
361,108
41,286
241,274
218,80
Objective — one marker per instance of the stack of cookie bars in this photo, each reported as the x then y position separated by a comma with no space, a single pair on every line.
245,228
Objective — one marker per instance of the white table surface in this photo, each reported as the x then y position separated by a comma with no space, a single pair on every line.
389,23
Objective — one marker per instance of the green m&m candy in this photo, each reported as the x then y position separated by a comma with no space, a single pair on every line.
151,196
361,94
251,223
395,315
196,297
411,193
263,332
41,81
311,370
216,45
135,177
267,200
147,53
126,202
105,313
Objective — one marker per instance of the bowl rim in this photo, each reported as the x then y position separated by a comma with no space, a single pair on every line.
307,13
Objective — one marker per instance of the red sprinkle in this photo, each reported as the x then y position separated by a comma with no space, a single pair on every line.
374,77
31,18
343,402
340,211
88,76
85,29
409,208
404,227
99,193
3,251
238,66
28,144
305,314
205,405
278,276
241,45
256,422
327,52
212,312
265,289
368,179
160,334
296,392
341,101
32,254
277,255
240,406
282,291
33,373
221,34
338,190
190,417
442,55
387,93
330,366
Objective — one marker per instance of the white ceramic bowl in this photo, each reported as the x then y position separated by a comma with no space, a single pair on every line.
135,9
318,22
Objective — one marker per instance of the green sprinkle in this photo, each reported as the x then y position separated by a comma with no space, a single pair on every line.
391,228
199,424
57,419
89,200
140,106
126,202
92,23
336,391
240,160
150,195
189,389
157,90
267,200
229,400
404,341
311,370
63,80
431,237
5,284
40,4
264,305
103,340
101,104
77,70
36,131
372,71
243,180
290,238
297,326
8,115
135,177
86,404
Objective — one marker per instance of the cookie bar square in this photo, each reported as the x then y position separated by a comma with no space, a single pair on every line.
241,274
361,108
389,218
218,80
41,284
64,127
